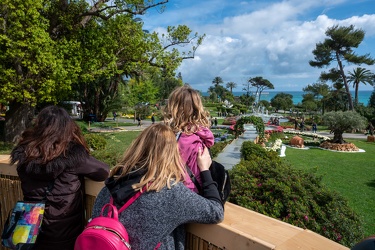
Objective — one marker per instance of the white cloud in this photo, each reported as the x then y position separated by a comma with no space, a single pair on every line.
273,40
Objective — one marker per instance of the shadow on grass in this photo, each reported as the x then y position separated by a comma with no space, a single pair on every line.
371,184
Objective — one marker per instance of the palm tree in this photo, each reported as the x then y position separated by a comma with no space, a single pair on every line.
360,75
217,81
231,86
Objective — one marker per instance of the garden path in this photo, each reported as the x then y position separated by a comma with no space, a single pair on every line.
231,155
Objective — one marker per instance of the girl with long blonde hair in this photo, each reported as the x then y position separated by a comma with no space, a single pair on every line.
185,114
152,165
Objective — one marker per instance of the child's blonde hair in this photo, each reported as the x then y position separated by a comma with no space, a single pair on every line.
155,152
184,110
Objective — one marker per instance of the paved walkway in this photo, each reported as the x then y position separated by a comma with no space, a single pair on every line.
231,155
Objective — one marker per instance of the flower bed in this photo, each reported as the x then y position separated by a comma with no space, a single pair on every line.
221,135
275,129
309,134
346,147
324,142
276,146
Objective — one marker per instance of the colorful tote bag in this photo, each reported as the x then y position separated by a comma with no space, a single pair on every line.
23,224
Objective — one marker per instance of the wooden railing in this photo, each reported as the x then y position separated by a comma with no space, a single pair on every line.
241,228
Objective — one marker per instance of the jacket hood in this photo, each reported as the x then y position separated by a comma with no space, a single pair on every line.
121,188
73,156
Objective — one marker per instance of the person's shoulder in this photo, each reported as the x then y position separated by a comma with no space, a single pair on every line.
204,132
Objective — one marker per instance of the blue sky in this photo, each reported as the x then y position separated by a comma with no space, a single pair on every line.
269,38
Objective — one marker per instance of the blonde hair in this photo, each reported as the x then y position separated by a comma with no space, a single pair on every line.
156,152
184,110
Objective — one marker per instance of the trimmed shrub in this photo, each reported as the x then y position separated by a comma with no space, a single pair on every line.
264,183
107,157
250,150
218,147
95,141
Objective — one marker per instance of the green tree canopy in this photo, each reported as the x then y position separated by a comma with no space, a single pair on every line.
317,93
339,47
52,51
217,81
260,84
339,122
282,101
231,86
32,65
360,75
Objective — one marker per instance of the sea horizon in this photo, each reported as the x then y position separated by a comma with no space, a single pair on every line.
363,95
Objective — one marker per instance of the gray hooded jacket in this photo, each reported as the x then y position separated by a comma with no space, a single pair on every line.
159,217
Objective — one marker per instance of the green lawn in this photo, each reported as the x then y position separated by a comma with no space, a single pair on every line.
117,143
350,174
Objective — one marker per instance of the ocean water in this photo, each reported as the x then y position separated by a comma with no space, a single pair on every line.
363,96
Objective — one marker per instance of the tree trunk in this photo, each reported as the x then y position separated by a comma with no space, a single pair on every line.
350,101
337,137
356,93
17,119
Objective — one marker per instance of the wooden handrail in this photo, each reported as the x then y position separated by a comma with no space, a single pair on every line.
241,229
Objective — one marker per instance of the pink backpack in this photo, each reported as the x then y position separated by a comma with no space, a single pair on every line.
106,232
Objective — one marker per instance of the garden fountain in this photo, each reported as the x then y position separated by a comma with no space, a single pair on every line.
262,112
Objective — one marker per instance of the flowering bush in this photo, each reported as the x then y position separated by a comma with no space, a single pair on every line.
95,141
278,129
275,146
222,135
266,184
231,120
218,147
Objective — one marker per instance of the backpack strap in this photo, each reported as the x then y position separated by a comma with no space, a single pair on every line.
130,201
193,179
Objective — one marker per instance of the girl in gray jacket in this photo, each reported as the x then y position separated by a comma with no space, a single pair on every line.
152,163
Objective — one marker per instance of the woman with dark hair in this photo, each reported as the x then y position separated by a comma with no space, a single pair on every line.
53,154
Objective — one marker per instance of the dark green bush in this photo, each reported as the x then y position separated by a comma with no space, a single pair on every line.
107,157
218,147
83,128
249,150
6,147
310,143
276,135
210,105
243,110
270,186
95,141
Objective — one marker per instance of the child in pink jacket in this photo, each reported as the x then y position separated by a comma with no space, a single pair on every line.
190,122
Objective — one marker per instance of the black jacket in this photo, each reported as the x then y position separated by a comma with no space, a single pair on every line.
64,218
